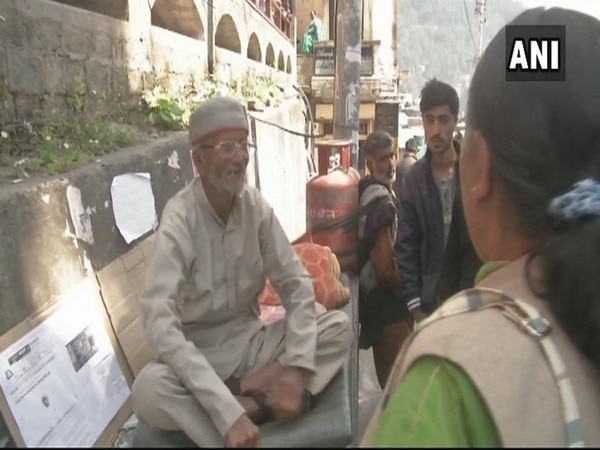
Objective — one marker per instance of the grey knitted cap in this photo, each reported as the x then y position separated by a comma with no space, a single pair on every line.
217,114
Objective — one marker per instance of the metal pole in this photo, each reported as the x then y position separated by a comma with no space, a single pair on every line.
348,48
397,20
480,10
210,38
480,50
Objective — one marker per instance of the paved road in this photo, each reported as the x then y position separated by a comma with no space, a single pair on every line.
369,391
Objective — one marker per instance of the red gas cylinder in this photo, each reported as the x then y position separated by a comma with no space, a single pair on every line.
354,174
326,149
329,199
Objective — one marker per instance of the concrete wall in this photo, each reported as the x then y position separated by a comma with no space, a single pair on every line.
282,165
40,256
51,53
230,64
176,55
305,70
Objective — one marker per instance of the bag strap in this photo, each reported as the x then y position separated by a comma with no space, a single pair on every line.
529,319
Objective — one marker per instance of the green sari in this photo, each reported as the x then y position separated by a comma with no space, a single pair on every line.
438,405
315,33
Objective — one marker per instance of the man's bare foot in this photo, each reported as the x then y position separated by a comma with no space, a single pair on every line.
253,409
287,395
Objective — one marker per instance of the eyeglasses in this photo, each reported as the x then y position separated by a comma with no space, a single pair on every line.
228,148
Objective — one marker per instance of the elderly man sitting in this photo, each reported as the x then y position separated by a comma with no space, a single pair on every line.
220,371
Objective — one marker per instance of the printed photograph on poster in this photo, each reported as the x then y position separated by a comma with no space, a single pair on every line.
81,349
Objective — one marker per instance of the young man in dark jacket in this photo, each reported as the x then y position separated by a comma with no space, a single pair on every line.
430,214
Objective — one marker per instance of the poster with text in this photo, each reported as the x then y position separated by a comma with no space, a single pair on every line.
62,380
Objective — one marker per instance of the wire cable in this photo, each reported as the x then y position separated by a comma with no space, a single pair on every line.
469,24
295,133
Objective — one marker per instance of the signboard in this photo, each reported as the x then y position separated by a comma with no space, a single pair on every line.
325,61
386,117
367,62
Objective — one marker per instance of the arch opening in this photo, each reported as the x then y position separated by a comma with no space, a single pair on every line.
253,51
117,9
179,16
227,35
270,56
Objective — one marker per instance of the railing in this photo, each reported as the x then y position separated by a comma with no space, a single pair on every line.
278,13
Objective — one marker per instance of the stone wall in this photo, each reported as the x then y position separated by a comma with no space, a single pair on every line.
53,55
42,60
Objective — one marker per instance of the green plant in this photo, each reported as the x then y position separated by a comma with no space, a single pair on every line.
54,148
165,111
171,110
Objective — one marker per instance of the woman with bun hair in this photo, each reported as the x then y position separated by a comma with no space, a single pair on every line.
516,360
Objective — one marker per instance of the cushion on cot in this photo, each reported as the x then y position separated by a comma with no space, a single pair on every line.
324,268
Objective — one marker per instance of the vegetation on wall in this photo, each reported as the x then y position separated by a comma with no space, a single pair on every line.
171,110
51,143
39,146
56,140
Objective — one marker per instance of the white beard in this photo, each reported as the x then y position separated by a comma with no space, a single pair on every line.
233,188
383,178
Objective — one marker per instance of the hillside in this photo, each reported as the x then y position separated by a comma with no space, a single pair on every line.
434,38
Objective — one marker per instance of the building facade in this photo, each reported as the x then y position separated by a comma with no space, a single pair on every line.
379,81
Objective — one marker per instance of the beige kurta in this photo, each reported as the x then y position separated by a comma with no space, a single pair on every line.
207,275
